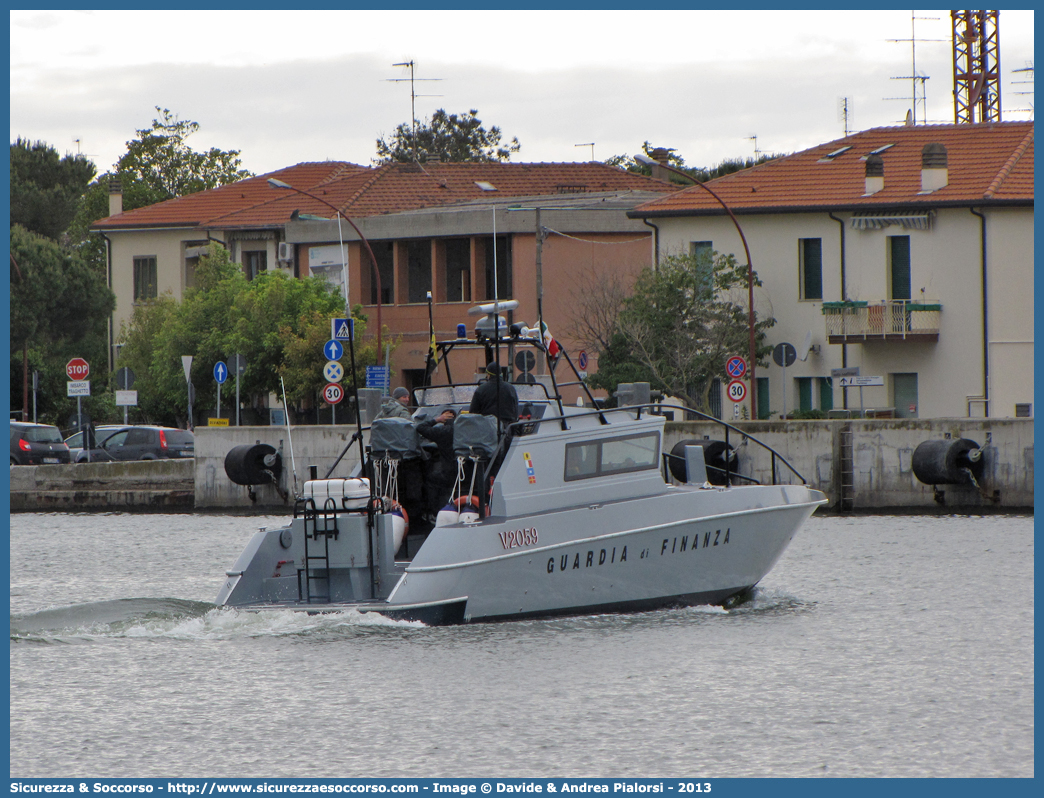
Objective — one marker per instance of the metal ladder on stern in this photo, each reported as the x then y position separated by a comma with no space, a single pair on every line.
319,527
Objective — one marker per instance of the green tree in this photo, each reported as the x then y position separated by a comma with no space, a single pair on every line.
448,136
46,189
698,173
302,367
679,327
276,322
158,165
59,309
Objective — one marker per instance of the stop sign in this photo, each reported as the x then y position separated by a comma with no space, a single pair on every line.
77,369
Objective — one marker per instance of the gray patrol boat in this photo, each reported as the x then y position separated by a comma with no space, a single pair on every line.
568,511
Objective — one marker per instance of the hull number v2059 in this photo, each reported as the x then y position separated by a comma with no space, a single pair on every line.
518,537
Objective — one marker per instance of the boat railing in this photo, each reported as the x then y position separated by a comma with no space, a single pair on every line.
530,426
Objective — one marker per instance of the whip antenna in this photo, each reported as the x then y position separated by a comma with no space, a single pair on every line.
289,437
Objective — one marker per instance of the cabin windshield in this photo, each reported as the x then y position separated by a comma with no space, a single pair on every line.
600,458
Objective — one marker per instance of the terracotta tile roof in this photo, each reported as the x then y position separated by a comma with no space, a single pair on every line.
360,191
987,164
197,210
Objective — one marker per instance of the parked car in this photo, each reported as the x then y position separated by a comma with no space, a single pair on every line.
37,444
143,443
101,433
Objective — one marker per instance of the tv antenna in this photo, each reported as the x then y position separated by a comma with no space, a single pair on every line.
413,96
913,77
1028,69
78,141
588,144
844,112
757,152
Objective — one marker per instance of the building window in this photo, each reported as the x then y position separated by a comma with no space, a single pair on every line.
502,286
899,267
810,267
254,263
715,398
384,251
702,253
699,249
458,270
145,282
418,272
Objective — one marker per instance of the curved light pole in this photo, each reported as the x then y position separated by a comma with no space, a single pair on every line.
750,267
344,261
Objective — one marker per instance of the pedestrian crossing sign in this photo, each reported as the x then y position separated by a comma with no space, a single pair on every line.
342,329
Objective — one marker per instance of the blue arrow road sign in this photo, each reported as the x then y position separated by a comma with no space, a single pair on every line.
333,350
220,372
342,329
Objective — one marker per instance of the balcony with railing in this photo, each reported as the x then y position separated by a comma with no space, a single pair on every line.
853,321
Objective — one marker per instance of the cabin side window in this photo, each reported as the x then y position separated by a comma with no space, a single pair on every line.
611,456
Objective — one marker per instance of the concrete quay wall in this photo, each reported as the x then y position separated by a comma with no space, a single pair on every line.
313,445
881,475
140,485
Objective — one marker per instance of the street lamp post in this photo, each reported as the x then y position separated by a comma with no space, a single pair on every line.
344,261
750,268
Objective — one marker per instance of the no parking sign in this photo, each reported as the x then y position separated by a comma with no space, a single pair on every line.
736,367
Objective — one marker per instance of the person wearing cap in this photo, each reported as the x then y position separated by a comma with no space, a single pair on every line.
397,406
495,397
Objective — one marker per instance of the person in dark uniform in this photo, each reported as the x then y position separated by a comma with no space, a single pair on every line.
442,471
495,397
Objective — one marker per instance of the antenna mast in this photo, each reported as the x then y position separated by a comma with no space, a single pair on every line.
413,97
913,77
844,112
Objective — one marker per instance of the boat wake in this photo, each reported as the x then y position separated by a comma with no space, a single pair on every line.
174,619
770,601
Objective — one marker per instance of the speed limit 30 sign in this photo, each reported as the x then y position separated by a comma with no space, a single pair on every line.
737,391
333,393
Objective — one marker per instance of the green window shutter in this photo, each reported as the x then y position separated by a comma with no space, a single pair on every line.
764,405
811,268
826,394
899,251
804,393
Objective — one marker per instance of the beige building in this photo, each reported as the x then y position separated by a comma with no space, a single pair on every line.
905,253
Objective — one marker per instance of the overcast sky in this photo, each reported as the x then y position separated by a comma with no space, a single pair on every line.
287,87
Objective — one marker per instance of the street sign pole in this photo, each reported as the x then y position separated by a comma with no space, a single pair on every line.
186,364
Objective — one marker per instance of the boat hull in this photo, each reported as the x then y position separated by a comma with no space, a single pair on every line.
685,547
639,557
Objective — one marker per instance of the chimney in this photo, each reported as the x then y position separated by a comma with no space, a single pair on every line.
660,155
115,196
934,172
874,174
